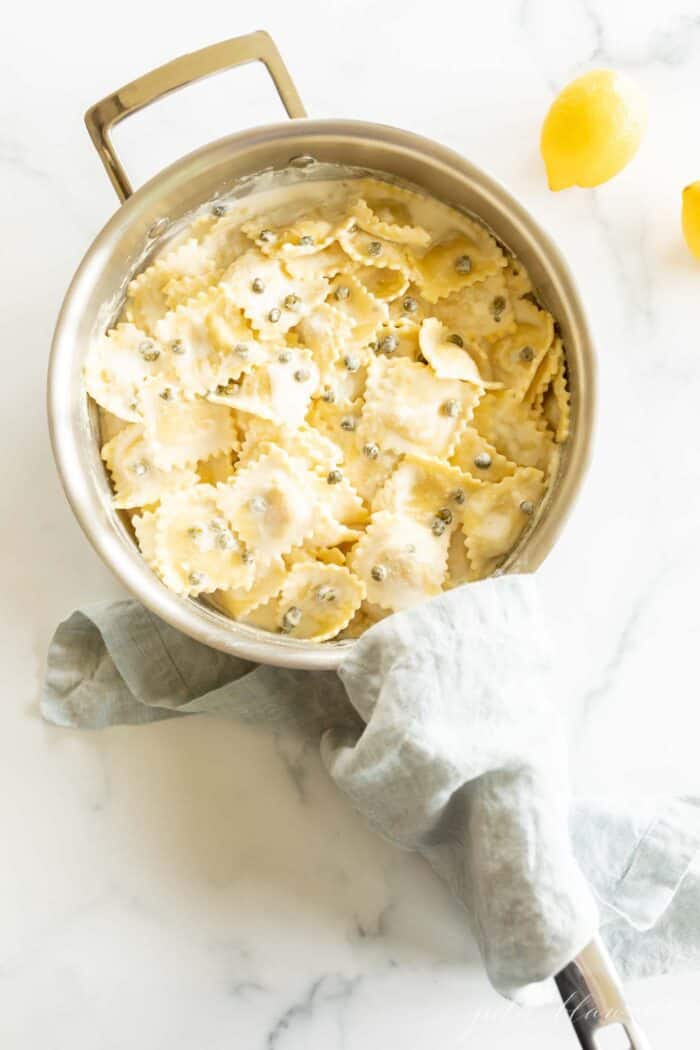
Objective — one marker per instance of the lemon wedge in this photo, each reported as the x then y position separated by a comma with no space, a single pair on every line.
690,217
593,129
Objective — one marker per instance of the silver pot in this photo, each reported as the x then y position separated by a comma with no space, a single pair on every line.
145,219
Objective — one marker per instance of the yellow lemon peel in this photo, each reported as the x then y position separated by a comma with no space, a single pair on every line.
690,217
593,129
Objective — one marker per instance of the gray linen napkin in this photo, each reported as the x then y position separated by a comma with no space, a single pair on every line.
440,729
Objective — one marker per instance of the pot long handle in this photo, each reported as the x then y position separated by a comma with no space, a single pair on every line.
593,998
255,47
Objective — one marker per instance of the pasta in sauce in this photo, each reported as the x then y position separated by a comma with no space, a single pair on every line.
325,404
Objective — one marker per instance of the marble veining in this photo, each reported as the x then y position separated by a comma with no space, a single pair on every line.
197,883
330,993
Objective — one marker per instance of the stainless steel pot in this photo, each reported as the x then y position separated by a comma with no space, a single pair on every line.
143,221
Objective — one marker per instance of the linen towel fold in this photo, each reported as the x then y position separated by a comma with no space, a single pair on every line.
440,729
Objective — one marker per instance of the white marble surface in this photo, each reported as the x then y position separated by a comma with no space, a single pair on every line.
196,884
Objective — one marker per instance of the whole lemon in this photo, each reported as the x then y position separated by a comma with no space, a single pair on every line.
691,217
593,129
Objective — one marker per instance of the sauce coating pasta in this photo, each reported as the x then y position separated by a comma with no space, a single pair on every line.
324,404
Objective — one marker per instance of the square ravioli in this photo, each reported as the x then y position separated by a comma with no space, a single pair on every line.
410,409
458,262
400,561
496,515
272,301
273,503
138,481
318,600
196,549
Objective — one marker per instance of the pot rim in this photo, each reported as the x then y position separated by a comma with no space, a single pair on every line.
193,618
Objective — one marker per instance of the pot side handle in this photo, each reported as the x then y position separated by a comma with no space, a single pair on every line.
238,51
593,997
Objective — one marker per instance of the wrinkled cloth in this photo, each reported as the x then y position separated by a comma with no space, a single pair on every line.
439,727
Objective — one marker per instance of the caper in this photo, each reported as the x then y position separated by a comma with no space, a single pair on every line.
225,541
291,619
148,351
388,344
324,593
